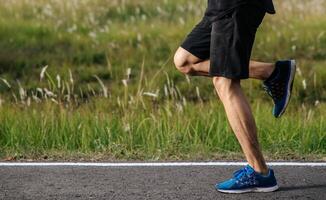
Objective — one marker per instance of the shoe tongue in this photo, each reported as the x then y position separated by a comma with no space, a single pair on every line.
249,169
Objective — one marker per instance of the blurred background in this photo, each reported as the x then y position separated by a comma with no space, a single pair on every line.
94,79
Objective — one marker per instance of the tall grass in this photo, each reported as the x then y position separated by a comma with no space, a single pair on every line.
96,77
167,132
56,121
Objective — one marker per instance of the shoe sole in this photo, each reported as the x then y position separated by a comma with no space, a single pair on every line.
256,190
289,87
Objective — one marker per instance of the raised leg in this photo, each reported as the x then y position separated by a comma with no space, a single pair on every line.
189,64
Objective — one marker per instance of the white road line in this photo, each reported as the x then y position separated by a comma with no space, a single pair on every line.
155,164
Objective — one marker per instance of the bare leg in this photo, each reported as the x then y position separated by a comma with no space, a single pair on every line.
236,105
260,70
191,65
241,120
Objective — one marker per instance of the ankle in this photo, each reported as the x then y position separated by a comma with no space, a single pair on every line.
259,167
264,172
261,170
273,72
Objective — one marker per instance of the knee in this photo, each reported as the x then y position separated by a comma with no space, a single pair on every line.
182,63
220,82
224,85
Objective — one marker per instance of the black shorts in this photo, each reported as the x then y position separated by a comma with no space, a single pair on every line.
226,42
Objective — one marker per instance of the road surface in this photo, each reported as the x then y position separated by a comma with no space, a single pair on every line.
133,183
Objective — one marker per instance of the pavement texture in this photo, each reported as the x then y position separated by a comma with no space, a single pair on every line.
133,183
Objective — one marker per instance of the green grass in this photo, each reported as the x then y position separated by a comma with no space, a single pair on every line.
169,131
93,42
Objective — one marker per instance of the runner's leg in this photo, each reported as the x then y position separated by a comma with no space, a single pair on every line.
189,64
241,120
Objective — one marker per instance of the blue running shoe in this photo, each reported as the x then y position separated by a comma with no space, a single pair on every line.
279,85
247,180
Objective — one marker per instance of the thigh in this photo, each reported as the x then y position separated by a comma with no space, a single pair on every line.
197,42
232,41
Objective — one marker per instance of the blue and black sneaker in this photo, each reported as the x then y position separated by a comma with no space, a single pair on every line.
279,85
247,180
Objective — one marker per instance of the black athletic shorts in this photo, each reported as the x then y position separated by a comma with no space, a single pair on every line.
227,42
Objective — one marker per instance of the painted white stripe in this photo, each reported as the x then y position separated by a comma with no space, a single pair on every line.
156,164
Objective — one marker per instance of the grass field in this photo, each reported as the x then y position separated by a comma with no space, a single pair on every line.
94,79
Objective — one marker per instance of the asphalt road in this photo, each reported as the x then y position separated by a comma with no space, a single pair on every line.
133,183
